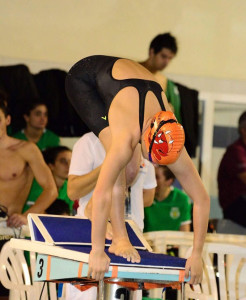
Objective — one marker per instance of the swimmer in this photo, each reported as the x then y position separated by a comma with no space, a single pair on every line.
20,162
121,102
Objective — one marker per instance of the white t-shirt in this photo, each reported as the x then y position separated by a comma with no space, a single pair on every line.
88,154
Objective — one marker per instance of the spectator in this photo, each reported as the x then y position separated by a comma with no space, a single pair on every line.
171,209
58,159
36,118
4,98
20,161
232,177
58,207
162,50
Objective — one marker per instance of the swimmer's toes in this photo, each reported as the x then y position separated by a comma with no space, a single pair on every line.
111,249
137,258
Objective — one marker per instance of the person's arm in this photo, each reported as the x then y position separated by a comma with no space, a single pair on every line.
237,165
184,227
32,155
44,178
79,186
148,197
149,184
116,159
242,177
185,212
87,156
189,178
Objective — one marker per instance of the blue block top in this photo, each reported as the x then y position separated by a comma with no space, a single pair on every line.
74,230
148,259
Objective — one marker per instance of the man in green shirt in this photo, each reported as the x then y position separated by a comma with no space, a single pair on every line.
36,117
171,209
162,50
58,159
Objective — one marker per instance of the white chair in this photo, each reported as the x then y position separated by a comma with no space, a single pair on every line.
160,239
230,273
16,276
227,249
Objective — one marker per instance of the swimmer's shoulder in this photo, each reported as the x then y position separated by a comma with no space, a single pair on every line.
161,79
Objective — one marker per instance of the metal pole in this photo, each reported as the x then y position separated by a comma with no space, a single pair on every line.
182,291
100,290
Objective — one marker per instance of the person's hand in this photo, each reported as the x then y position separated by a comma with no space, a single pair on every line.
16,220
98,264
194,265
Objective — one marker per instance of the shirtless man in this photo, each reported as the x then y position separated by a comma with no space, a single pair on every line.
20,161
121,102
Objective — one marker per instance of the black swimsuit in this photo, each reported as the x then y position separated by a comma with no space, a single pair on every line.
91,89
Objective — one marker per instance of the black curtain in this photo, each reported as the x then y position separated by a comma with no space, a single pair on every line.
190,117
63,119
20,87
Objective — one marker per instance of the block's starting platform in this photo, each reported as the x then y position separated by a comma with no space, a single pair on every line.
63,245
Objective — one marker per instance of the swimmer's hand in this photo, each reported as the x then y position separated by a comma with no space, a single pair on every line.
98,264
123,247
194,265
16,220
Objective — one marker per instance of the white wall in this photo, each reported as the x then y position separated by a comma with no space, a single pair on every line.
211,33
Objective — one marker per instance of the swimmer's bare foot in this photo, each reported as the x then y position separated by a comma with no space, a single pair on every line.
124,248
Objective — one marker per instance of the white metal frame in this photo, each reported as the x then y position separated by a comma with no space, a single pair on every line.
209,100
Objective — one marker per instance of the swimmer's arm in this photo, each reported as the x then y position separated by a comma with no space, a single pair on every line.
79,186
116,159
42,174
190,180
187,175
148,196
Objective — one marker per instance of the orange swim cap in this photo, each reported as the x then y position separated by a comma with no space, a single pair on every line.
164,139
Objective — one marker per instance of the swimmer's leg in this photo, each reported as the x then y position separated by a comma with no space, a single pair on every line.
133,166
121,244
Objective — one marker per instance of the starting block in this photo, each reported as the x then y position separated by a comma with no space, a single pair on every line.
63,245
